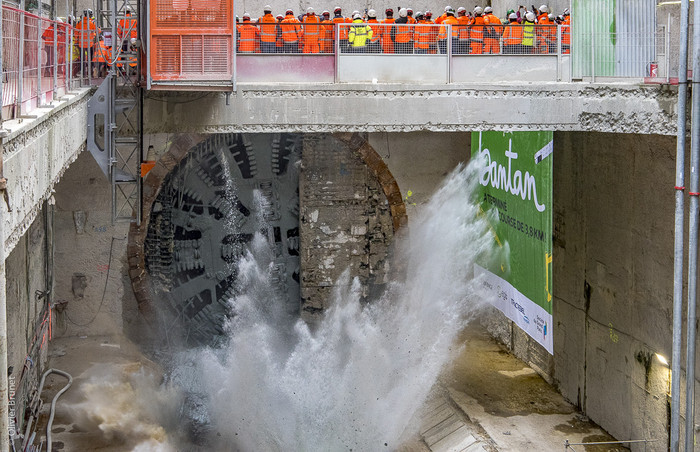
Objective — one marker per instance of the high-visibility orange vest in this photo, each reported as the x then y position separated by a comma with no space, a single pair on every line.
422,37
411,20
566,31
343,33
268,28
476,31
387,43
291,29
493,20
103,53
128,25
85,32
440,19
513,35
462,28
327,36
449,20
249,37
404,33
376,29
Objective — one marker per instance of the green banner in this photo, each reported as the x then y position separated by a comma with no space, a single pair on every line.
516,188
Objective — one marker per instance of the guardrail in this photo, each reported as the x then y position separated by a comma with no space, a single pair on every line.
40,62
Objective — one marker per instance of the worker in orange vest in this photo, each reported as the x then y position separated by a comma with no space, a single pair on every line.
48,38
291,32
512,36
402,33
250,36
493,32
442,37
102,57
312,32
566,33
542,13
127,28
268,31
326,33
374,45
86,32
477,32
444,15
338,21
463,22
387,43
279,43
421,35
433,32
547,33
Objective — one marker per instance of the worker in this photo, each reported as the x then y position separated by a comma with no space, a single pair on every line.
387,43
279,42
338,21
127,28
312,32
493,32
527,45
250,36
326,33
449,20
402,33
463,21
443,16
268,31
359,35
477,32
374,45
566,32
102,57
512,35
48,37
86,32
421,35
546,31
291,32
543,13
433,32
409,14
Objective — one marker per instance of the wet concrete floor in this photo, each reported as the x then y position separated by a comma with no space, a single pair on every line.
488,400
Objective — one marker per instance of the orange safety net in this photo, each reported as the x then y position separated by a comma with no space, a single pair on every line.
191,40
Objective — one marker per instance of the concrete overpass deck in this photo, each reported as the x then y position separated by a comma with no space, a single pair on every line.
623,106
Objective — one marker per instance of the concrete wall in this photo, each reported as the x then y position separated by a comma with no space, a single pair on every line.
90,258
613,282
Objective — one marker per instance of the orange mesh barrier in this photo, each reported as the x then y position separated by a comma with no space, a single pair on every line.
191,40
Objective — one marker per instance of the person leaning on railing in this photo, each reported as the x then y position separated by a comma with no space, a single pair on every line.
359,34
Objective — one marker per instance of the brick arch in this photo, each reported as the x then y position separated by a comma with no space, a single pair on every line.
179,148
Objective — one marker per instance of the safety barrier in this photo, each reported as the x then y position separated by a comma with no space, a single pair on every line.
35,64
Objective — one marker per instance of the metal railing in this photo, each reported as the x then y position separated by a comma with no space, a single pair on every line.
40,61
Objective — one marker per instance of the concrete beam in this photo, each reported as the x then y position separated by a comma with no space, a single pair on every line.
36,151
623,108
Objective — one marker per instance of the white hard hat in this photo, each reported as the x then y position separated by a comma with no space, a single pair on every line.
488,9
544,9
267,8
59,20
478,10
371,13
513,16
403,12
530,16
309,10
551,16
246,16
448,7
461,9
356,16
355,12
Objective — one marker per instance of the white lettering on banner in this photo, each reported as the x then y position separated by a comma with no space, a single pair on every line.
500,178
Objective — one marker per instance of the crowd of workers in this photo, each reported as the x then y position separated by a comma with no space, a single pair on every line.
89,47
467,32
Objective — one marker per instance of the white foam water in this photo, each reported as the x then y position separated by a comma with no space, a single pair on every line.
355,380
